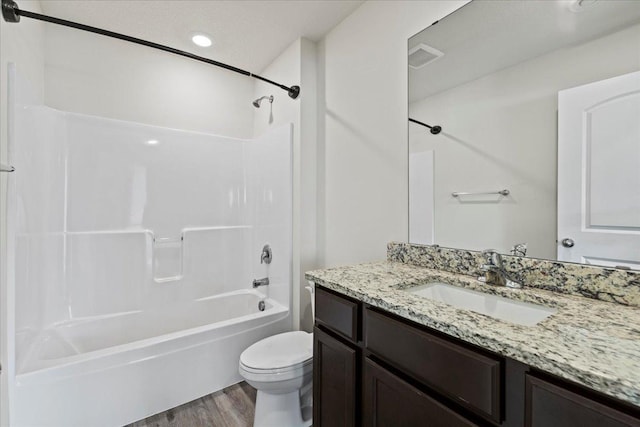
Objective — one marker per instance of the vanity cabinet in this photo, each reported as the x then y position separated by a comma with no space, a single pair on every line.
373,368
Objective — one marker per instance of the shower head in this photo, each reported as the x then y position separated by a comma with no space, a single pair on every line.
257,102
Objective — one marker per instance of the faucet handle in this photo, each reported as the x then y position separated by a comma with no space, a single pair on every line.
489,255
266,256
519,249
493,258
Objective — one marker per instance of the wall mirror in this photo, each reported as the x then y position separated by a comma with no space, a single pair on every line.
537,146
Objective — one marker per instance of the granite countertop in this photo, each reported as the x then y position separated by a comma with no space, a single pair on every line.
591,342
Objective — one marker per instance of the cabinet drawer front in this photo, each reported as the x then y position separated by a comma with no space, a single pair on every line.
337,313
549,405
391,402
469,378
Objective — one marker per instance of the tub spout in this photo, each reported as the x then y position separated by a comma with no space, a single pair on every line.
260,282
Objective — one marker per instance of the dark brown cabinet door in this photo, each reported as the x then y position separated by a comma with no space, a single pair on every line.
334,382
549,405
388,401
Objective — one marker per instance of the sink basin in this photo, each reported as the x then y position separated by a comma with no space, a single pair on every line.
521,313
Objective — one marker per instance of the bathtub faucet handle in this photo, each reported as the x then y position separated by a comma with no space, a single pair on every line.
260,282
266,255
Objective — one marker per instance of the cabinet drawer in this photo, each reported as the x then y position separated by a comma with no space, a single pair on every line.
391,402
337,313
550,405
469,378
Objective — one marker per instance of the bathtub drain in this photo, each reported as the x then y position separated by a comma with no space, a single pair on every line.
261,306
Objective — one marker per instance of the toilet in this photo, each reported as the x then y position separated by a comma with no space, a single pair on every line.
280,368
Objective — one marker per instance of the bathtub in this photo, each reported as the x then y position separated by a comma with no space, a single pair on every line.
114,369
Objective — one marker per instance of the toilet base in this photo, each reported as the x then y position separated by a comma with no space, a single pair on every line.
277,410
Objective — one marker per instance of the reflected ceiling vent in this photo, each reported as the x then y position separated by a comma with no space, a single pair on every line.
422,54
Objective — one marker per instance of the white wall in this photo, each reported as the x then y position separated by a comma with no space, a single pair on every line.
362,134
92,74
296,66
23,44
500,131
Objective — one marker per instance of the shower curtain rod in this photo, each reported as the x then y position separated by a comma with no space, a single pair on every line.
12,13
433,129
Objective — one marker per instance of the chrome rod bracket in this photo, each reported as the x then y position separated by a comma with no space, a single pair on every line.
6,168
10,11
433,129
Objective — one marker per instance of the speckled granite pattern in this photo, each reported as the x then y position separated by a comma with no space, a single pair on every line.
594,343
606,284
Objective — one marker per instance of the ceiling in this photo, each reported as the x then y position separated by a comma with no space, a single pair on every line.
246,34
486,36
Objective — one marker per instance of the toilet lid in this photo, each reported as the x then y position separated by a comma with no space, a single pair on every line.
279,351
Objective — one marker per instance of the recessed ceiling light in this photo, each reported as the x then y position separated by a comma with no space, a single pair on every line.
201,40
152,141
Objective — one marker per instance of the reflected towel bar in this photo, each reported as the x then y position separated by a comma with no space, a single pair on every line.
500,192
6,168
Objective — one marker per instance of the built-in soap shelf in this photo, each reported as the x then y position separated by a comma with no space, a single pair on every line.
147,255
168,252
167,258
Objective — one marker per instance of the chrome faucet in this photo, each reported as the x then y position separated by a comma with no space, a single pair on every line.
260,282
495,273
266,255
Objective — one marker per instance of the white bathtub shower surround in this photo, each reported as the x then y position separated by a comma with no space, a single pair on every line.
135,250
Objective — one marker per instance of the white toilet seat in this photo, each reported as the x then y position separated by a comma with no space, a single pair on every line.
284,351
278,358
275,375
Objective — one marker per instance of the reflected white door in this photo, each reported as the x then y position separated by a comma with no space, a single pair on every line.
599,172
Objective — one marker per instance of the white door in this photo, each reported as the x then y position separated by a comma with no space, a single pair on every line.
599,172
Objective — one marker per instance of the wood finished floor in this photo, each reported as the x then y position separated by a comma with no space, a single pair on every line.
231,407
